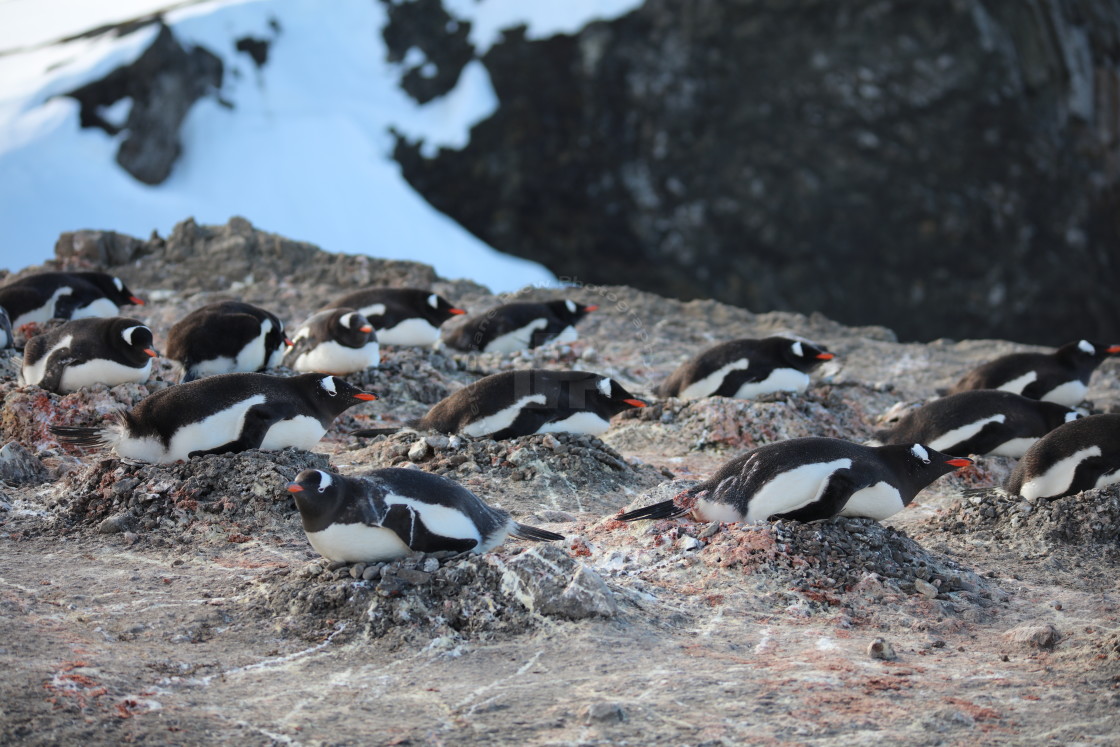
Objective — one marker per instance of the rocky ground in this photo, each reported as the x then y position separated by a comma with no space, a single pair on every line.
181,604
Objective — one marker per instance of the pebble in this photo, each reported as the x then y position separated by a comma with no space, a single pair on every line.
357,570
881,649
419,451
413,576
430,565
334,565
371,572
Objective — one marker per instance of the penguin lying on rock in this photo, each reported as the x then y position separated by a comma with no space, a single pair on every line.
984,421
401,316
521,403
223,414
83,352
64,295
337,341
513,327
391,512
1077,456
747,368
226,337
1061,376
807,479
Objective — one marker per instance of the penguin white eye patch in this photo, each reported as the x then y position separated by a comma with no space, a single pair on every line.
433,301
325,481
1086,347
117,282
798,350
327,382
126,333
571,305
919,451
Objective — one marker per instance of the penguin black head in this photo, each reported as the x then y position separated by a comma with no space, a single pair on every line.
921,465
1084,352
351,329
439,309
318,495
569,311
617,397
804,356
137,338
332,394
113,287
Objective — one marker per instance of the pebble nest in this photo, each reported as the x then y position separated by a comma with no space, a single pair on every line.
240,497
558,471
437,601
1091,518
826,562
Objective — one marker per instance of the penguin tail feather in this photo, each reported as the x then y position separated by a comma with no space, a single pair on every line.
664,510
526,532
75,435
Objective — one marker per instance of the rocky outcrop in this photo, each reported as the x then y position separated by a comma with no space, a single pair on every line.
163,83
949,169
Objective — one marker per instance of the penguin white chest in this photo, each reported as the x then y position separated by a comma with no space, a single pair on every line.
1070,394
412,332
517,340
877,502
778,380
586,422
331,357
301,431
98,307
103,371
353,543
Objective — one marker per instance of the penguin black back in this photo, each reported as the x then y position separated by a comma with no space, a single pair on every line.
391,512
1061,376
221,414
64,295
1077,456
401,316
746,368
6,339
982,421
518,403
808,479
83,352
519,326
226,337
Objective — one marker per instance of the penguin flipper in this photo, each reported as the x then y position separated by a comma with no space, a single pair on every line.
253,430
663,510
406,523
535,534
375,432
831,502
52,376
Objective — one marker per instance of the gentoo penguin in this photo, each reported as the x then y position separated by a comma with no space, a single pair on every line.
746,368
1071,458
64,295
337,341
985,421
520,403
5,329
513,327
83,352
1061,376
391,512
222,414
807,479
226,337
401,316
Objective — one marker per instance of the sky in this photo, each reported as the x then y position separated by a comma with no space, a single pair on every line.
305,150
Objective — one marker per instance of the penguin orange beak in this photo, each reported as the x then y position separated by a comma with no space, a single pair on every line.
456,311
288,342
151,353
591,308
295,487
636,403
136,300
367,396
959,462
1113,349
367,329
825,356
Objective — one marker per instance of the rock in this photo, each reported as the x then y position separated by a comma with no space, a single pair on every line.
925,588
419,451
357,570
413,576
1033,635
605,712
116,523
18,466
546,580
881,649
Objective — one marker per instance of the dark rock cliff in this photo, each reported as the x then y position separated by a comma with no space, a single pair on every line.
947,169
